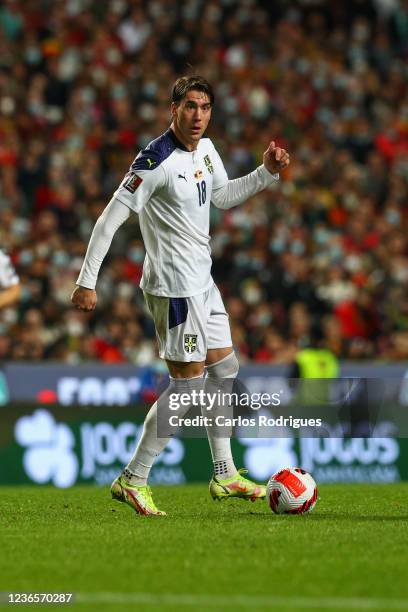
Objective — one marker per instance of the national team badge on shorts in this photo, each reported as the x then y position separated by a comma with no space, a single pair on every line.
198,174
190,342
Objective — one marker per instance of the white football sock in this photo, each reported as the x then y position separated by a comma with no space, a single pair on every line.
150,445
148,448
220,377
223,468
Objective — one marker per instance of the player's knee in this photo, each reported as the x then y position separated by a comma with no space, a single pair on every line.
179,370
225,368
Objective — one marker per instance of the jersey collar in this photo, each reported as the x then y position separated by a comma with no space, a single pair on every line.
176,141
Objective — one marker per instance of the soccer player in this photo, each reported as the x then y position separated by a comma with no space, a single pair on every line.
170,185
10,287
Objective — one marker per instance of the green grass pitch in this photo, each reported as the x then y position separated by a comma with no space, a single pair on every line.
351,552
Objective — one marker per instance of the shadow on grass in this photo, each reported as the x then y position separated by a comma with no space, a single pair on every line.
357,517
330,516
239,513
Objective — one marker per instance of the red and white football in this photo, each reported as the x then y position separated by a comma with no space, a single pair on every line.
291,491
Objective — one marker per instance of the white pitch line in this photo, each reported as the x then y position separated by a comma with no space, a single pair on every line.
256,601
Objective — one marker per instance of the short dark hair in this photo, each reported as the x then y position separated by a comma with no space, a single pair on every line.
189,83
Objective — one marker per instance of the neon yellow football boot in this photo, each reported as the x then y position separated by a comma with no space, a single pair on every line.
138,497
237,486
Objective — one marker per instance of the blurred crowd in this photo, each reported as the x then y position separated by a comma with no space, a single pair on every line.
320,259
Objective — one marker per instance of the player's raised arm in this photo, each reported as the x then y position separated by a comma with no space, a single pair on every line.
226,193
133,193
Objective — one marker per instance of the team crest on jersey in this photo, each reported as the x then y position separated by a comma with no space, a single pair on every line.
190,342
198,174
208,163
132,182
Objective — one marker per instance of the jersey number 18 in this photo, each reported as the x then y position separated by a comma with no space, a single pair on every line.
202,193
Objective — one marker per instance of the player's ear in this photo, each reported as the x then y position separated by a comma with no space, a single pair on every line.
173,109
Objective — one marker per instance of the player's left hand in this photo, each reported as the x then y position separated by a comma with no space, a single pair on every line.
275,159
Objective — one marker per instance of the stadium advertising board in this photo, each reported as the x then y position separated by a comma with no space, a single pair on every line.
65,425
91,384
53,444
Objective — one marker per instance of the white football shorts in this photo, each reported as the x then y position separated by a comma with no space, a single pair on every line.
187,327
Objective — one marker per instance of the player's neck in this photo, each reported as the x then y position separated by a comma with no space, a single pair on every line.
190,146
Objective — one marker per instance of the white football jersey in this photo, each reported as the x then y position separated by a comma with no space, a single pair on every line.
8,275
171,189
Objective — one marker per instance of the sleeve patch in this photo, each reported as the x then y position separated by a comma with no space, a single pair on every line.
132,182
